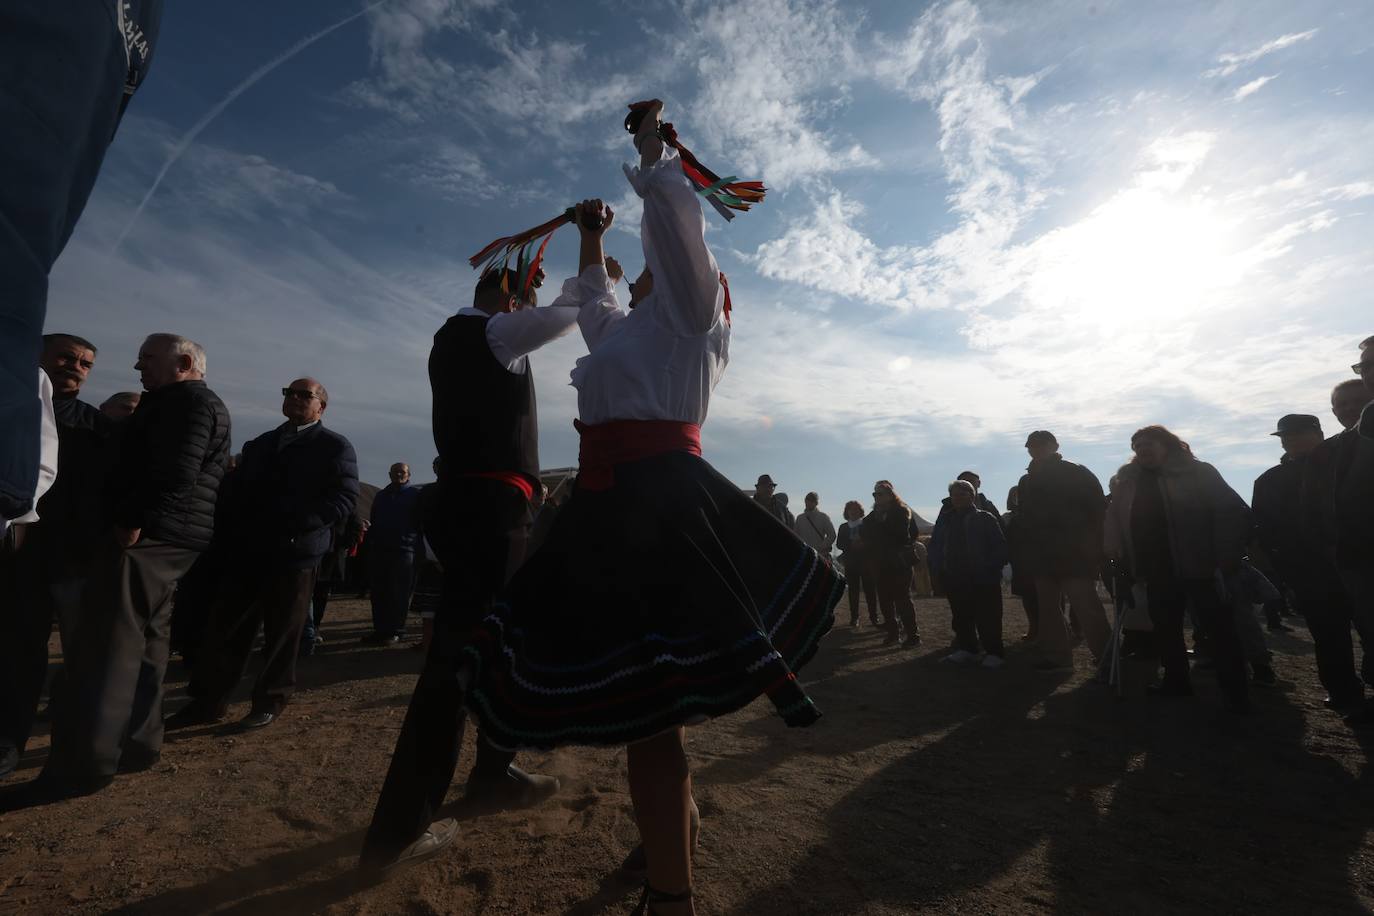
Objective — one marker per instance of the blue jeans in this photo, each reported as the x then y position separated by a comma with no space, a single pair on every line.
62,74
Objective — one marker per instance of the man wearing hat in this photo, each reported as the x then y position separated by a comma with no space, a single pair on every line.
765,494
1063,509
1312,576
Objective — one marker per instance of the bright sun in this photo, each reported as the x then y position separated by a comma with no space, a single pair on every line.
1143,257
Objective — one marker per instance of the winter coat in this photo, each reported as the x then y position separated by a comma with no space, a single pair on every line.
1277,507
887,539
968,548
396,518
287,499
1209,524
1061,507
172,454
1337,492
979,502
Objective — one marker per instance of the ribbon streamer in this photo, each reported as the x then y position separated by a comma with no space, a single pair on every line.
724,194
498,254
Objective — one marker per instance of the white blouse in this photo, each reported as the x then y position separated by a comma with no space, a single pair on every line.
661,360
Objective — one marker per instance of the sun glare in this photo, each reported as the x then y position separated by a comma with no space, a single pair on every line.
1143,257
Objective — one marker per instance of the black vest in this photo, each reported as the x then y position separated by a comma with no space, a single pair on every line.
484,416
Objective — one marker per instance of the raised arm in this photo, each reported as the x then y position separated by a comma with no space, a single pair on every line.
673,232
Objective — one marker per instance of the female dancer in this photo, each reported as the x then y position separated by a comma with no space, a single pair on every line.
663,596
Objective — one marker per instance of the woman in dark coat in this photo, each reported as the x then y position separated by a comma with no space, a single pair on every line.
858,576
887,541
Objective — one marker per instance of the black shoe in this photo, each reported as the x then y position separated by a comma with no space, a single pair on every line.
1278,626
890,639
912,641
190,716
9,758
513,789
1264,676
854,624
1167,690
382,639
256,720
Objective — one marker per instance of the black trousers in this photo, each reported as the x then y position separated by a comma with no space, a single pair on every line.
26,614
894,596
977,613
1329,618
107,700
1168,600
479,530
859,578
254,593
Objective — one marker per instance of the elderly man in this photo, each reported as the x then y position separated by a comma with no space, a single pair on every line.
1310,574
768,499
161,499
292,485
392,539
1063,508
58,548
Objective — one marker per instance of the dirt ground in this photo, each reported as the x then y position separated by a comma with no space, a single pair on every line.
926,787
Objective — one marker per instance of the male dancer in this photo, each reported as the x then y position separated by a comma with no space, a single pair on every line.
487,433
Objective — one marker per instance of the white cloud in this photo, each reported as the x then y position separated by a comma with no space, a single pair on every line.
1232,62
1250,88
761,100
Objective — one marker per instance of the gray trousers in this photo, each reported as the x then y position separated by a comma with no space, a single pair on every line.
107,700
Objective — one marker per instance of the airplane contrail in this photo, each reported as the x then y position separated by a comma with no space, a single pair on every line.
190,136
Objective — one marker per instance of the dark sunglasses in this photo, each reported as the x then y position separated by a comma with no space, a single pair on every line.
299,394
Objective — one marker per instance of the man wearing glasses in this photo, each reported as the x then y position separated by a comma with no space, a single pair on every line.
291,487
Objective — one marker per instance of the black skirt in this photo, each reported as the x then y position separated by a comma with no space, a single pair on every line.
666,600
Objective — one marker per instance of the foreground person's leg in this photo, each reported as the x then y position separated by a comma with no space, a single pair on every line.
661,788
420,772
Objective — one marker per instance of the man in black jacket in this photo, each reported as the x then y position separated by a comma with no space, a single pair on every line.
1316,585
290,488
58,547
161,500
1063,509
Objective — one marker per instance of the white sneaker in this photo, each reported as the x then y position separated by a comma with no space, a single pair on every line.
959,656
993,661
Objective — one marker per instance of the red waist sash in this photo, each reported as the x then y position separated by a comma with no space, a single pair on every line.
607,444
511,478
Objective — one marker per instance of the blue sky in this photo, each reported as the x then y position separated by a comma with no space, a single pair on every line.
984,218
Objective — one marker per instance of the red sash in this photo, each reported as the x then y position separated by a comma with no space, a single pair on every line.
511,478
607,444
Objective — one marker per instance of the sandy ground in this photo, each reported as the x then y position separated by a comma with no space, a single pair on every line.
927,787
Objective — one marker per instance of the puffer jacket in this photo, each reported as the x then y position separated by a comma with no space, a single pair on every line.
1209,523
172,457
1061,510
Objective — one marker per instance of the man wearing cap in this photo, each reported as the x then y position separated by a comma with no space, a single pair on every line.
765,494
1313,578
1063,508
